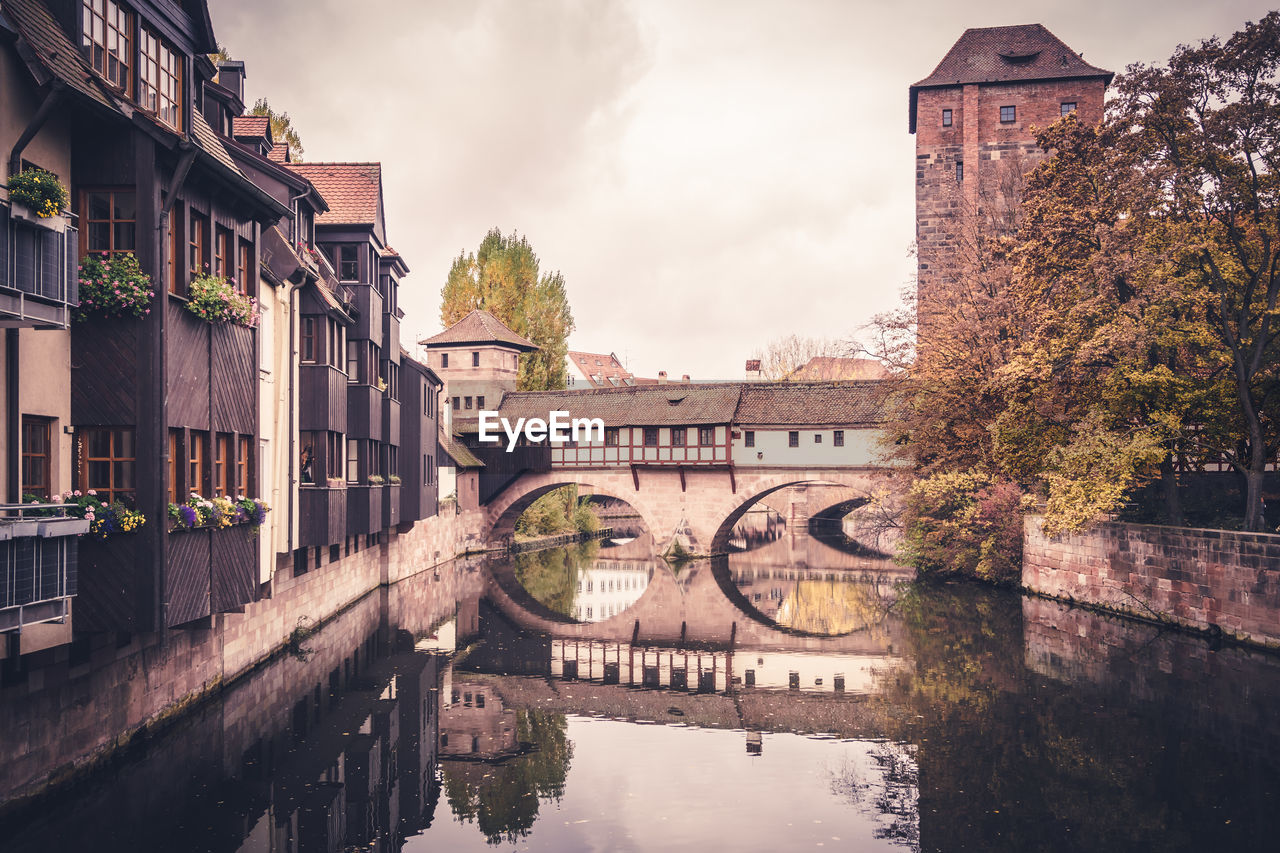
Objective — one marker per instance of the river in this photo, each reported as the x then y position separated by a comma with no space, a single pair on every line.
793,696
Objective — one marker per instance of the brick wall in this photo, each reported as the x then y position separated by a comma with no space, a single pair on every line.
1197,578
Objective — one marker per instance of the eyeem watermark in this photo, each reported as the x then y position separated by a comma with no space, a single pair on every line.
558,427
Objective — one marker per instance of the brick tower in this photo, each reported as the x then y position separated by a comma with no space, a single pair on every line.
973,119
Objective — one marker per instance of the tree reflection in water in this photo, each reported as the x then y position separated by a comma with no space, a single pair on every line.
551,576
894,793
502,799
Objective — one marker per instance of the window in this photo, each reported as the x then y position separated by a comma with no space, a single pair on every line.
109,221
749,438
353,361
1008,115
457,403
36,456
793,439
196,462
1066,108
678,435
837,438
479,402
706,436
244,268
107,464
444,359
959,172
611,437
353,460
946,118
244,465
475,359
174,466
172,279
197,243
309,339
466,402
222,253
817,438
349,263
336,344
222,465
161,80
650,436
105,41
308,441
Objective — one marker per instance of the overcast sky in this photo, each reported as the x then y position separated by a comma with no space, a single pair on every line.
707,175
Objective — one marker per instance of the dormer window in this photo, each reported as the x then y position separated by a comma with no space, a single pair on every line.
105,40
160,80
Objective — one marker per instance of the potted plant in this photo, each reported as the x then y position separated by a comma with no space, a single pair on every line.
37,196
113,286
395,479
215,300
376,480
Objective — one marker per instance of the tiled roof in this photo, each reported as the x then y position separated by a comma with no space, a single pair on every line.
458,452
650,405
601,369
826,368
254,126
279,154
352,190
1004,55
480,327
212,145
55,51
1001,54
812,403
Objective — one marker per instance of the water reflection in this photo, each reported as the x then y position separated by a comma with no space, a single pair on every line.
451,714
585,582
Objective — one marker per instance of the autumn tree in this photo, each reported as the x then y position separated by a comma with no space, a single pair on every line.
503,277
282,129
783,356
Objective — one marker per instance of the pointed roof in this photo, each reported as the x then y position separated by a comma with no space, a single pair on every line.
480,327
353,190
1006,55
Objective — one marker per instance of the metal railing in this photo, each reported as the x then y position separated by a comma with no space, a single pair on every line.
39,269
38,555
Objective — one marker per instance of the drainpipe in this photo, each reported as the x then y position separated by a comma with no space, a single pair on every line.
46,109
14,423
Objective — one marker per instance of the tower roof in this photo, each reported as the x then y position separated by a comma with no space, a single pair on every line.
480,327
1006,55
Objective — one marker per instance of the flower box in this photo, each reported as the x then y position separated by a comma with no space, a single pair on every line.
57,223
54,527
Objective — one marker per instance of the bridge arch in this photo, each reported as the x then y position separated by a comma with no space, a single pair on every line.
505,510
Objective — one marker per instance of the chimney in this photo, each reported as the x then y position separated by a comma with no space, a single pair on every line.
231,76
684,378
662,377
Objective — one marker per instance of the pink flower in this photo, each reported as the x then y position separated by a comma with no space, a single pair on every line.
77,493
92,492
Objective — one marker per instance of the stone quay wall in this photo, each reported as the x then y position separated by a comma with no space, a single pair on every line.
1201,579
74,705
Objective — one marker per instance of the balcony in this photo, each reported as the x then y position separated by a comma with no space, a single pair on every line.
322,398
39,280
38,554
364,509
323,515
210,571
364,412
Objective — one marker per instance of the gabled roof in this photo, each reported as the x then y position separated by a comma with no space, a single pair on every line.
649,405
353,190
279,154
1006,55
255,127
859,403
480,327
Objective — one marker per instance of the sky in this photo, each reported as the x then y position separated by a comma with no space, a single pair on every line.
708,176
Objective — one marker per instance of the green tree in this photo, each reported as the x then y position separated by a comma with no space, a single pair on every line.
503,278
282,129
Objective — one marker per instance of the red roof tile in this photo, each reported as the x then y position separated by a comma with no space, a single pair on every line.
650,405
812,404
480,327
279,154
827,368
352,190
256,127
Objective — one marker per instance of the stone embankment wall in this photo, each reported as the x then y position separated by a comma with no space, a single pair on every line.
75,704
1202,579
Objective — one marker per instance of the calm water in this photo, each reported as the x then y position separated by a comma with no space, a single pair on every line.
794,696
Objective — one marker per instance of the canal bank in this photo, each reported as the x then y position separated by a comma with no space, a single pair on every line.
1215,581
71,707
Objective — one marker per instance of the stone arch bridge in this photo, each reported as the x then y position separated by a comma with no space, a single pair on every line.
695,507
